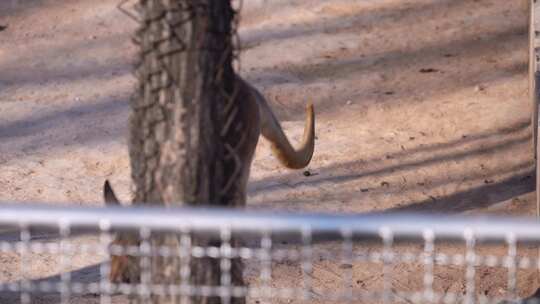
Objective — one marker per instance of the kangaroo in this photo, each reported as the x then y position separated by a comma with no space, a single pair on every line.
257,118
120,272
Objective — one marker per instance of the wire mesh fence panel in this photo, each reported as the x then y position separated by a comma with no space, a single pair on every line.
288,258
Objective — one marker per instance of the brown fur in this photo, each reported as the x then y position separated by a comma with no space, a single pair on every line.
258,119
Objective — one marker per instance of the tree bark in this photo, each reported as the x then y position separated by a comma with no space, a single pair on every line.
178,147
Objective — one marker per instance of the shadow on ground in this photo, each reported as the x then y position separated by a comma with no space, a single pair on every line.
392,63
500,183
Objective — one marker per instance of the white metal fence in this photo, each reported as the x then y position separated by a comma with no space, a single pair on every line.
52,254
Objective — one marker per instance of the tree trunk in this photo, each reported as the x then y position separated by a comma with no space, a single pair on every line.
177,143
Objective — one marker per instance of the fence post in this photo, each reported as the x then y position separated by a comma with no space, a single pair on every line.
532,70
534,96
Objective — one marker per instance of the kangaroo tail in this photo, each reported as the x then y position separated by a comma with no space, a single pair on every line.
289,156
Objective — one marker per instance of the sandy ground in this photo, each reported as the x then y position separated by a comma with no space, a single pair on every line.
421,106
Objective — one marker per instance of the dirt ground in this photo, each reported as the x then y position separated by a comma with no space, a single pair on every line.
421,105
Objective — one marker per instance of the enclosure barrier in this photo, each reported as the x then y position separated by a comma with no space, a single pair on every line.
443,259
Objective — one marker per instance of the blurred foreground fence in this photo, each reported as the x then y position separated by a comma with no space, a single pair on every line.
62,254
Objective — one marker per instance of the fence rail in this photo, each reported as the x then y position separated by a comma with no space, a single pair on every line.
214,219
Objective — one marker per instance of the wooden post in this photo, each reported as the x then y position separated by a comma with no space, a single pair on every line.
534,93
532,72
534,96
